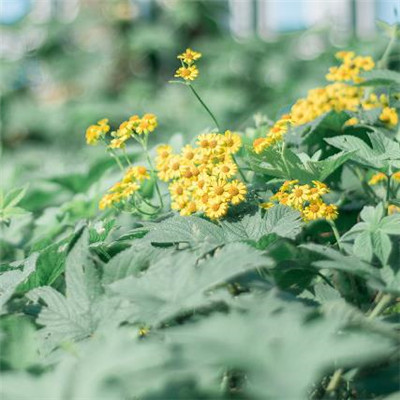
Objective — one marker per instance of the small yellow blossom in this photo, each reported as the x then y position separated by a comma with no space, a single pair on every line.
352,121
266,205
389,116
95,132
216,209
187,73
189,56
393,209
307,199
202,176
376,178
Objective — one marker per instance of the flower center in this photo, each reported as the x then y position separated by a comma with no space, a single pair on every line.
233,191
219,190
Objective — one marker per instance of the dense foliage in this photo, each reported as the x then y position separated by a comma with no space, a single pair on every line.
261,264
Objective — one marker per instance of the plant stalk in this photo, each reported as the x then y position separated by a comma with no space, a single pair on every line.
205,106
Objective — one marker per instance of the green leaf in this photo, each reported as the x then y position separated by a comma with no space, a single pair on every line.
381,246
380,77
384,154
200,234
325,126
83,310
18,342
323,168
336,260
10,280
279,219
175,284
363,246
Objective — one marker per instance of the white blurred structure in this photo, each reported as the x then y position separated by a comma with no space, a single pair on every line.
269,18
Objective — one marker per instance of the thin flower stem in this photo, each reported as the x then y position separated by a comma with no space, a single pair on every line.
116,158
126,156
284,160
387,198
239,169
336,234
154,176
205,106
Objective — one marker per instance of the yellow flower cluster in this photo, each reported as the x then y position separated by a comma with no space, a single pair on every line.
202,177
350,68
305,198
123,190
133,126
95,132
274,135
337,96
380,177
188,71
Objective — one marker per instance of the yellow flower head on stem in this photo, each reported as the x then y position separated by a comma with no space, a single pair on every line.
376,178
189,56
189,73
95,132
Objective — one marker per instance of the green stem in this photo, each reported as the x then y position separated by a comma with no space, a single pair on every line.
387,198
154,176
381,305
378,309
205,106
336,234
126,156
284,160
382,63
116,158
240,171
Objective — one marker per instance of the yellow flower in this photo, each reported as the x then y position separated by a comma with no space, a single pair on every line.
260,144
95,132
177,191
314,211
174,167
188,152
298,196
216,209
189,56
187,73
392,209
225,170
389,116
396,176
376,178
352,121
129,189
266,205
147,124
118,143
189,208
237,191
231,142
331,212
138,172
107,201
319,189
218,189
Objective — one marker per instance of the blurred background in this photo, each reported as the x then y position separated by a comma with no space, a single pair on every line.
67,63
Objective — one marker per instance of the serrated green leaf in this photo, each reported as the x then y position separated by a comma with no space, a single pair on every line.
10,280
280,220
175,284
